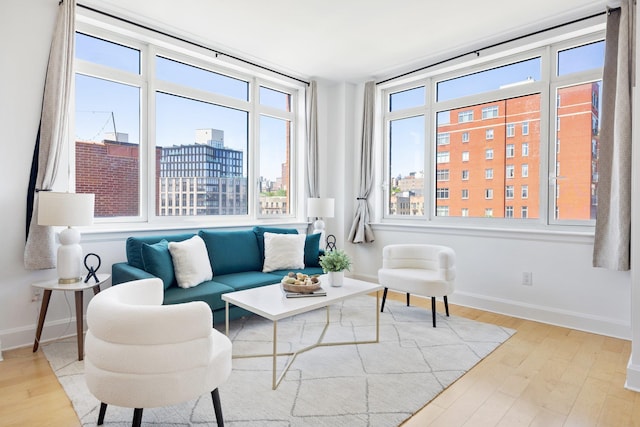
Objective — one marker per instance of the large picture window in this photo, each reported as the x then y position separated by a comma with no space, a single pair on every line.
497,129
162,133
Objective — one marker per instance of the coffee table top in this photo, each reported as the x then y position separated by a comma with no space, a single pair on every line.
271,303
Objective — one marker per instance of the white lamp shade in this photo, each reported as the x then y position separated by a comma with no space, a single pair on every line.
68,209
320,207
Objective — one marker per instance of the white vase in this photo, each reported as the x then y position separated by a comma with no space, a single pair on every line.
336,278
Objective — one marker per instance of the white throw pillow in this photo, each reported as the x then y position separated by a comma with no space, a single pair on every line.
283,251
190,262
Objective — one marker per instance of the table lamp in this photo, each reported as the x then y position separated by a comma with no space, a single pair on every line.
319,208
67,209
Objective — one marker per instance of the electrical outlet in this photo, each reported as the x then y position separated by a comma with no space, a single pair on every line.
527,278
36,294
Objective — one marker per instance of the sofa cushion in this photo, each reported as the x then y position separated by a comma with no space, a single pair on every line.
190,262
248,280
209,292
232,251
157,261
282,251
259,232
312,250
134,246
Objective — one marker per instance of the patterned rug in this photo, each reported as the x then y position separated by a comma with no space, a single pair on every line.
379,384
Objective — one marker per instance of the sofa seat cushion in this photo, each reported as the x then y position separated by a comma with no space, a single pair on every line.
232,251
134,246
248,279
209,292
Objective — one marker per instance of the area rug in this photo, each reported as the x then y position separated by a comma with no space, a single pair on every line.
380,384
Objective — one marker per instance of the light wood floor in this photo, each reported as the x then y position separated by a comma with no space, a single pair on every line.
543,376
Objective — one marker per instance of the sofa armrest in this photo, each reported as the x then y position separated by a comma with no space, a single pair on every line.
122,272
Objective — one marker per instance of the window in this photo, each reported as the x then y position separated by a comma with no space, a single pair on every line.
464,212
443,138
406,143
162,135
510,171
442,175
524,212
465,116
465,193
505,98
488,153
488,212
508,212
442,157
442,193
489,112
442,211
508,192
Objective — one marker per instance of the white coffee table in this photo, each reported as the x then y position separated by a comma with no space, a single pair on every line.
269,302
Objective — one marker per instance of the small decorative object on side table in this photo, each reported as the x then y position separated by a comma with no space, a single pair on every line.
78,288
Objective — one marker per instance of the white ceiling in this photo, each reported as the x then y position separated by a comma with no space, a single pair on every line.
348,40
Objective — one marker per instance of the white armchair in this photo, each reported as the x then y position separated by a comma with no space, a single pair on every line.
426,270
142,354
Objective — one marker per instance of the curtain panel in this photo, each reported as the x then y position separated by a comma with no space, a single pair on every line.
613,217
361,231
39,250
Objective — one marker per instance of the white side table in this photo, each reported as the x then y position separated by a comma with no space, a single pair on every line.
78,288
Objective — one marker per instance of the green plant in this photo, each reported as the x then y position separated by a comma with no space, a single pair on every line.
335,260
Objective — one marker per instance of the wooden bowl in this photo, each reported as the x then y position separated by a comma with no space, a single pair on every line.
302,289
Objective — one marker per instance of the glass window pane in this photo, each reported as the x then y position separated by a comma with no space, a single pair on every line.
406,166
107,136
275,99
201,157
107,53
488,80
407,99
482,164
581,58
275,143
199,78
577,162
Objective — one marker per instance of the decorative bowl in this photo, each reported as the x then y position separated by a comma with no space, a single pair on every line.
302,289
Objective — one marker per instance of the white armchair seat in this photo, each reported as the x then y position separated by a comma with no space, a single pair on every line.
420,269
142,354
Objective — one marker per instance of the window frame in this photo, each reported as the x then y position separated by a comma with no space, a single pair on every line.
150,44
546,47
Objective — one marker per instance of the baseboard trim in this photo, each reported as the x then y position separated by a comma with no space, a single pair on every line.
633,376
53,330
568,319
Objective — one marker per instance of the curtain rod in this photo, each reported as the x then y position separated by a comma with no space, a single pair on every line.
477,51
215,51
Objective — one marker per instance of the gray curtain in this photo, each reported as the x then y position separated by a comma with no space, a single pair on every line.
361,231
39,250
312,140
613,221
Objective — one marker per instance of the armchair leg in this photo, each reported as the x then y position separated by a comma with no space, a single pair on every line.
433,310
408,297
217,408
446,305
384,298
103,410
137,417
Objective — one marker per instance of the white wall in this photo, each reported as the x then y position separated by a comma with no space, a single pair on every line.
566,289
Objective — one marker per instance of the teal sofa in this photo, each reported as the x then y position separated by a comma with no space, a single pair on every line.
236,259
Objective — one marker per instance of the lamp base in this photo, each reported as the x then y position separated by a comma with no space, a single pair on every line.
69,281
